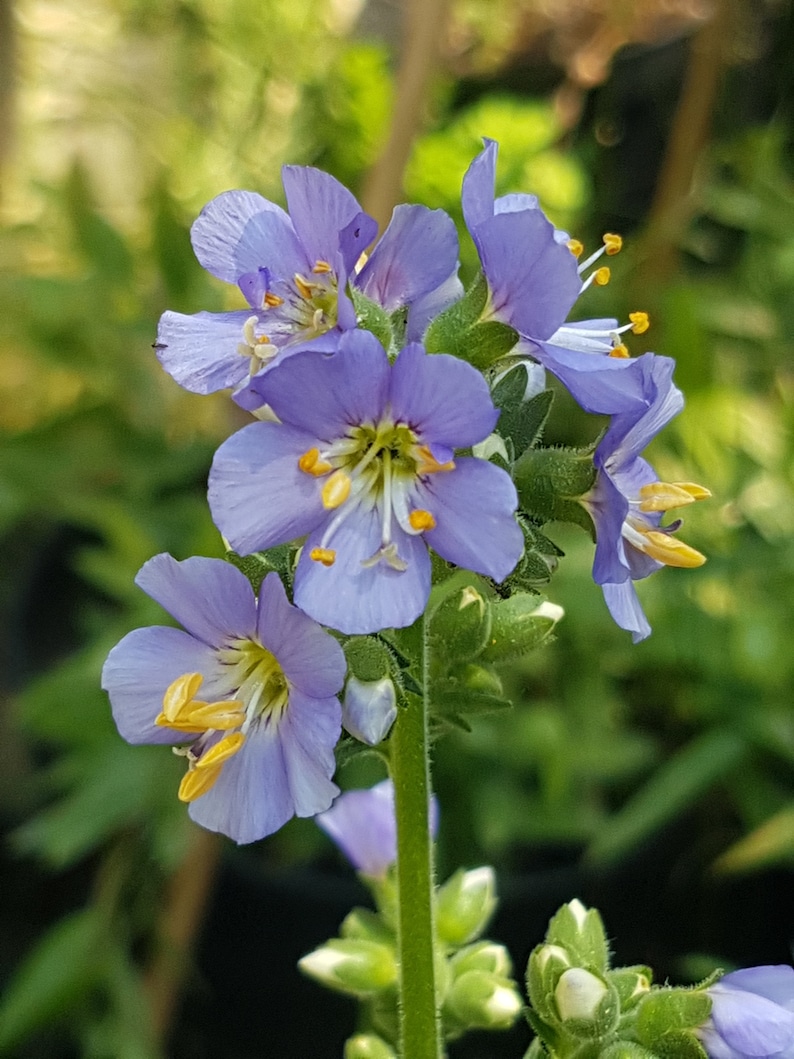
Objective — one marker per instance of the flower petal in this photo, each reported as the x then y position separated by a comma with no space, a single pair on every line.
320,208
624,606
362,824
257,494
312,660
418,252
602,385
354,598
139,670
239,231
201,352
325,395
209,597
444,399
474,509
428,307
479,184
751,1024
309,731
773,981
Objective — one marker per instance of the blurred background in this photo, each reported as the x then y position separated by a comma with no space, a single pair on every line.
654,781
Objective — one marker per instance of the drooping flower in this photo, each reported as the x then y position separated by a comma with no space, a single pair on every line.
293,270
363,461
752,1014
362,824
627,502
369,708
534,281
250,687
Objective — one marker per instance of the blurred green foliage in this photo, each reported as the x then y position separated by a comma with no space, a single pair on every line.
103,463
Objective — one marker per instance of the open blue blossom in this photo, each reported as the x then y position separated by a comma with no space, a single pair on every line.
628,501
363,825
363,461
250,687
752,1014
293,269
534,280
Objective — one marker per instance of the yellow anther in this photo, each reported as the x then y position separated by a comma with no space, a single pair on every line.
304,287
363,258
203,772
336,490
322,267
221,716
613,244
421,520
428,464
576,248
601,276
271,301
667,549
310,463
179,694
639,323
326,556
664,496
620,351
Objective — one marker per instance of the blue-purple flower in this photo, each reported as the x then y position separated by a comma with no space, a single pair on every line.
249,690
752,1014
293,270
628,501
533,282
362,462
363,825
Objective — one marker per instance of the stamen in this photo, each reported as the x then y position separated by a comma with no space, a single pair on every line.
613,244
426,462
271,301
639,322
664,496
304,287
576,247
336,490
363,258
620,351
322,267
221,752
326,556
311,463
671,551
179,693
203,772
601,276
219,716
421,520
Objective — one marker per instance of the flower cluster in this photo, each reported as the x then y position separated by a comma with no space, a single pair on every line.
368,373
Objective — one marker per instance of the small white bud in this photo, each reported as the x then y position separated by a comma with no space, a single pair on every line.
578,994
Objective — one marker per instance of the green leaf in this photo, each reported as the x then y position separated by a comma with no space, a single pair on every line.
521,421
671,789
59,972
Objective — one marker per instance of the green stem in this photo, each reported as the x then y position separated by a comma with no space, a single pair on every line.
410,766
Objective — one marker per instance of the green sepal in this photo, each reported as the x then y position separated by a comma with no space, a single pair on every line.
515,628
666,1011
367,1046
399,323
538,562
460,624
258,565
543,1030
443,331
485,343
580,931
632,984
627,1050
368,658
464,904
371,317
680,1045
520,422
550,483
475,690
366,925
546,964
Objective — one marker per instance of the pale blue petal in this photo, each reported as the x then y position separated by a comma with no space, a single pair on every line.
715,1046
479,184
257,494
209,597
309,731
443,399
751,1024
312,660
362,824
239,231
320,208
369,709
354,598
139,670
201,351
625,608
474,509
428,307
774,981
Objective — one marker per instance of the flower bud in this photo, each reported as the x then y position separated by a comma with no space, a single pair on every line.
367,1046
362,923
546,964
464,905
631,983
587,1006
519,624
461,623
369,709
483,1000
580,931
353,966
482,956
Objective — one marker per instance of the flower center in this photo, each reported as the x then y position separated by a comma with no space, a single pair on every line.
221,727
373,466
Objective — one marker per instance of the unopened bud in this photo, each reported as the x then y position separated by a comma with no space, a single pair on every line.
519,624
482,956
465,904
352,965
578,994
369,709
486,1001
631,983
368,1046
580,931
